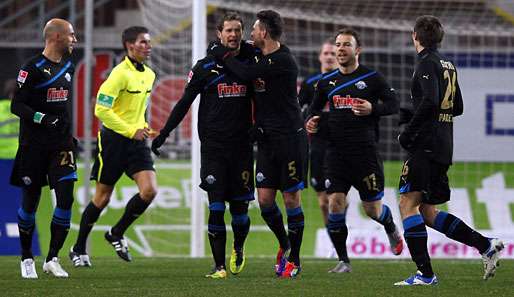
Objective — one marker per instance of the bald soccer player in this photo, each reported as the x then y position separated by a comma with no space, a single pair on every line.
46,147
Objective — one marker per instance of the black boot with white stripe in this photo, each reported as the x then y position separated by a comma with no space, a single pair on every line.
120,245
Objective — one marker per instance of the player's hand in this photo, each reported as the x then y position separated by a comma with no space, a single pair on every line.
142,134
53,122
405,141
218,50
157,143
246,49
361,107
255,134
312,125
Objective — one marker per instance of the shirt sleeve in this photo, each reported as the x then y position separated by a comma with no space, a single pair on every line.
107,95
267,67
458,103
318,101
22,95
427,77
195,85
387,100
305,97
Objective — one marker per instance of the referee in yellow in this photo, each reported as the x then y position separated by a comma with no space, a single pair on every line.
121,105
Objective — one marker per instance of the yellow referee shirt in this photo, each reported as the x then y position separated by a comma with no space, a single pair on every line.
122,99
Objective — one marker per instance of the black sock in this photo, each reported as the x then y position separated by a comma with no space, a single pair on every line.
59,229
88,220
135,207
386,219
415,234
240,227
338,232
273,218
456,229
217,232
295,225
26,227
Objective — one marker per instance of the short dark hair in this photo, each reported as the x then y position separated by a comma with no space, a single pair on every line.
229,16
130,34
429,31
349,31
272,22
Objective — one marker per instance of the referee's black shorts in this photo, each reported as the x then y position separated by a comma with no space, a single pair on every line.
117,154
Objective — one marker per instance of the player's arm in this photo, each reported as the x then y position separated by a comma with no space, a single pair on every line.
107,95
193,88
304,98
20,104
388,100
427,76
315,109
458,103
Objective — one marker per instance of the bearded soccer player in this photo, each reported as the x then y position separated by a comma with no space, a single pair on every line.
46,146
318,142
358,96
224,118
281,138
121,105
428,139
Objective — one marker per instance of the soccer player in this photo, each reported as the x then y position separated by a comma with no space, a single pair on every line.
224,118
319,142
357,96
121,105
281,137
428,138
46,147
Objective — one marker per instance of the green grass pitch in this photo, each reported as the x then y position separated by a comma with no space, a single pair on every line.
110,276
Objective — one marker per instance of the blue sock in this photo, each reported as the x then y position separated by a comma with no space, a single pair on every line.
416,236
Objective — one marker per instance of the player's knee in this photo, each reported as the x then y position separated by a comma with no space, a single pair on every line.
372,209
148,194
292,200
429,212
408,204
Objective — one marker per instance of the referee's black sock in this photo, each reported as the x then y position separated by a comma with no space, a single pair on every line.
456,229
415,234
59,229
338,232
295,225
88,220
135,207
386,219
273,218
26,227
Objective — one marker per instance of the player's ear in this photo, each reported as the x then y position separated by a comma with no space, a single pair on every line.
218,33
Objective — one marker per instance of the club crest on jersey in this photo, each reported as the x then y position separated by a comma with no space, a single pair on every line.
67,76
22,76
343,102
234,90
361,85
54,95
259,85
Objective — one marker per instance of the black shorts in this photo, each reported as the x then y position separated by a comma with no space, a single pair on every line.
36,166
362,169
227,172
421,174
317,153
282,162
116,154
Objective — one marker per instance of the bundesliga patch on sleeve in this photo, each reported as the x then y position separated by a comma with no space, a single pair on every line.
105,100
22,76
190,76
